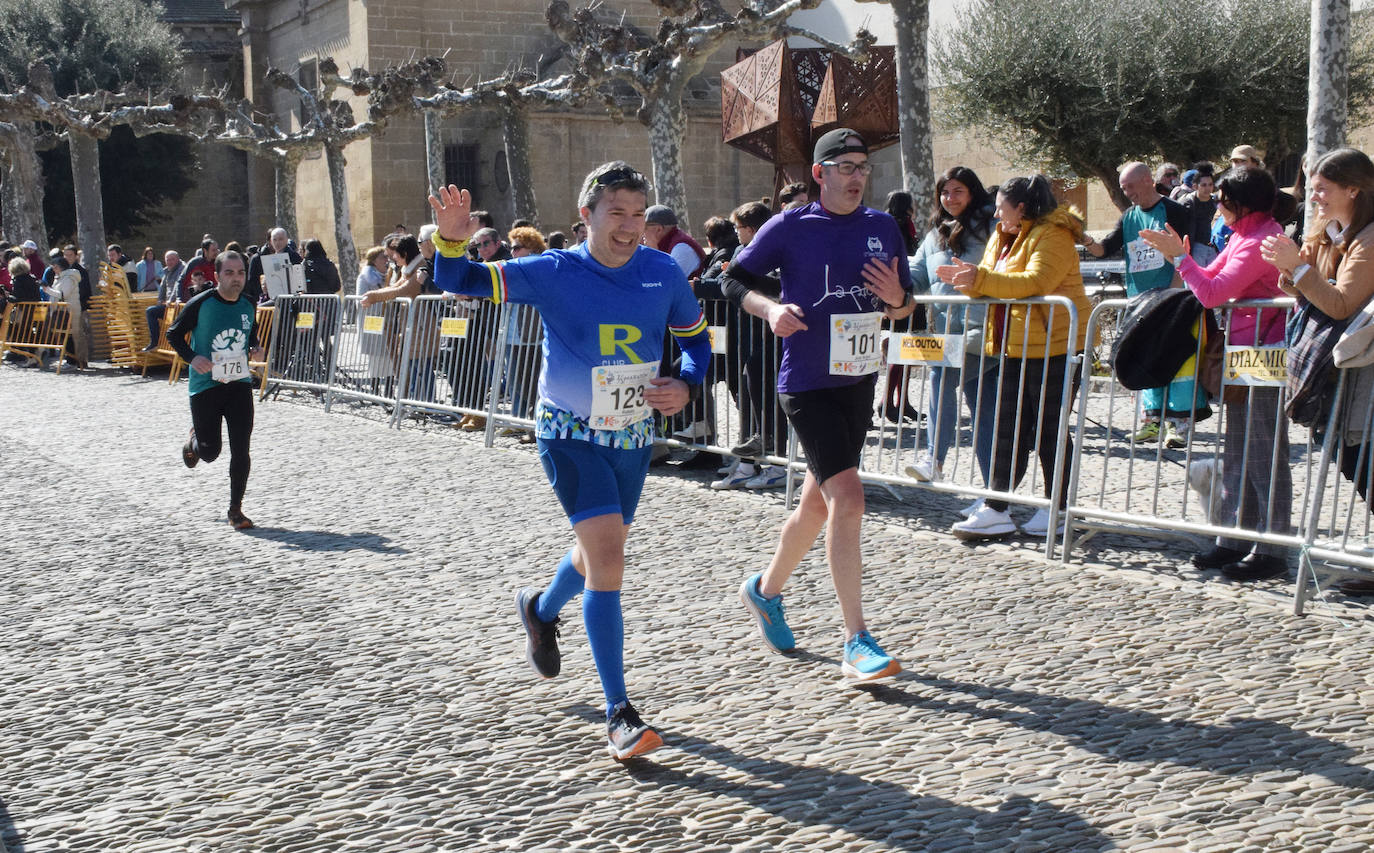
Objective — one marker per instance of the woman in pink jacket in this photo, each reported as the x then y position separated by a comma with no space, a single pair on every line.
1257,480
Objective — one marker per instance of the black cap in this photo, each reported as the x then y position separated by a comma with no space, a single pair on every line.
837,142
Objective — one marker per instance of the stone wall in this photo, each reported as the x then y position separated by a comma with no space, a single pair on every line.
216,203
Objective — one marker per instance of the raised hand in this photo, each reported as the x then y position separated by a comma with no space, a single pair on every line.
959,273
1282,252
1166,242
453,214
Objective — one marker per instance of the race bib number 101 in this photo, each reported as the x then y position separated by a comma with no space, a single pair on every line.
618,394
854,344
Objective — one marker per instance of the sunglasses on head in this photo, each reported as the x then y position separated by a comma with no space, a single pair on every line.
624,174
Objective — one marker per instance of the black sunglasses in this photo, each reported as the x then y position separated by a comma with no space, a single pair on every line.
624,174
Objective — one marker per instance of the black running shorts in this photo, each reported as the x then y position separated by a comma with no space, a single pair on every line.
831,424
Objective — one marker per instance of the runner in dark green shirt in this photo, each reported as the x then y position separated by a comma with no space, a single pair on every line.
216,333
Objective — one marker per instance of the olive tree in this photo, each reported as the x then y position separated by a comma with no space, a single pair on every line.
1077,87
85,47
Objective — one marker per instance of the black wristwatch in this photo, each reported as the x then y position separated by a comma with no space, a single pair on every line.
906,300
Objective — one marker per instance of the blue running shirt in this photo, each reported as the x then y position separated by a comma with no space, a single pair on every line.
593,315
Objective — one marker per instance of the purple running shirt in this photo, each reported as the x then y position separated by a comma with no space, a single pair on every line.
820,256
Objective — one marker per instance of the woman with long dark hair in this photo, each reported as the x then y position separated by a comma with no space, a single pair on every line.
1332,277
1033,252
1256,473
960,223
901,207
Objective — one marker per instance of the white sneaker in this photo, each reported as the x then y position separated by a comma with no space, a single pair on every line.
926,468
969,510
986,523
1039,524
729,467
737,478
771,477
695,430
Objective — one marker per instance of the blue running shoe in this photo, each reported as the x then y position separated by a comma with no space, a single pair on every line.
864,659
768,614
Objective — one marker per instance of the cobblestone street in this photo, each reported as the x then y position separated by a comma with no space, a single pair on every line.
351,676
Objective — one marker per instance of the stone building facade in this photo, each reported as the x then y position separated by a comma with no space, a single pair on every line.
213,204
479,39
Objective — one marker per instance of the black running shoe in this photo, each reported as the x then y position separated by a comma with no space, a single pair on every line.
239,521
628,735
541,638
189,457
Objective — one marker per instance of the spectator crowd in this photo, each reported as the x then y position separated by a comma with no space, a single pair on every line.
1221,233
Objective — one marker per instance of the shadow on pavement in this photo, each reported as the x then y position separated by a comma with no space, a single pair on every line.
324,540
1240,746
9,833
877,810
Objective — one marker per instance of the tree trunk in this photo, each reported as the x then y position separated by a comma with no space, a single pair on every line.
286,169
343,229
22,188
667,131
434,150
515,131
913,102
1327,78
1111,181
90,215
9,199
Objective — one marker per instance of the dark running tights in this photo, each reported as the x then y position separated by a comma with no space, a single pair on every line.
231,402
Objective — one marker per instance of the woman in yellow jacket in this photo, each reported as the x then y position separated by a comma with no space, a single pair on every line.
1033,253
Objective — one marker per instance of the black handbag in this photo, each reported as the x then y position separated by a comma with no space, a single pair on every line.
1155,337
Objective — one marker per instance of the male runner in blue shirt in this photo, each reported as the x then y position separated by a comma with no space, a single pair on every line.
605,306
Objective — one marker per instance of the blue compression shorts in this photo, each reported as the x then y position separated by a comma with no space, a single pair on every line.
592,480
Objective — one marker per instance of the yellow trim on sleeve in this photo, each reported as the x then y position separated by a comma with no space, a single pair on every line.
449,248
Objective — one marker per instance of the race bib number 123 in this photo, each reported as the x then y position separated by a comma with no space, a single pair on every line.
618,394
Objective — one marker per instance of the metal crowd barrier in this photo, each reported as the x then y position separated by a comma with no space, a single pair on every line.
29,328
302,350
1142,487
738,408
952,445
449,358
517,357
367,351
940,397
1337,539
739,402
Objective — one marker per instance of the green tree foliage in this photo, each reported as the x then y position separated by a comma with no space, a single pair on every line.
94,45
133,182
1078,87
89,44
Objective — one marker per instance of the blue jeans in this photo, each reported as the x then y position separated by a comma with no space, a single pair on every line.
980,401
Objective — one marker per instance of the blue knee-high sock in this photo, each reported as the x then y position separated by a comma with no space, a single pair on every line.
606,634
566,583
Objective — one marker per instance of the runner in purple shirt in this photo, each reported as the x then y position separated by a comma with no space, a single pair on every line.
843,269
